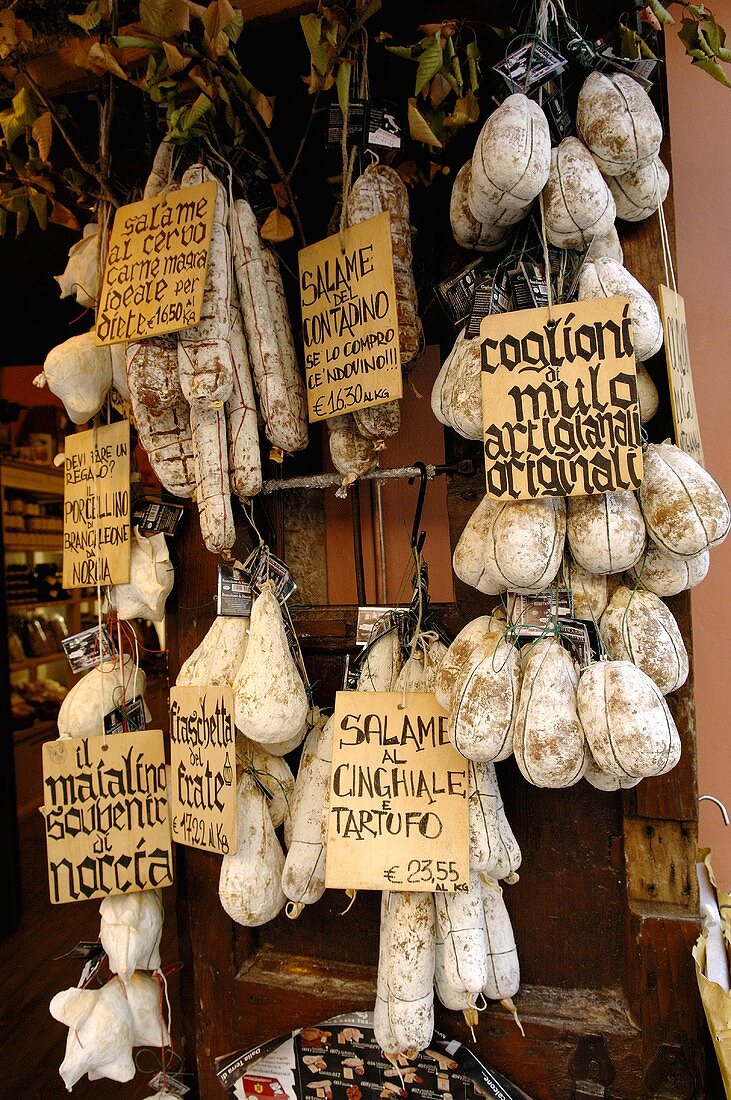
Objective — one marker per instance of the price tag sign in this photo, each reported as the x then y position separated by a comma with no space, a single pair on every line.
203,768
106,813
682,395
96,507
349,320
156,265
559,401
399,796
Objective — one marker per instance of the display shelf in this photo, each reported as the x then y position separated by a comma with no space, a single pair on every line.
24,541
39,480
34,662
37,729
31,605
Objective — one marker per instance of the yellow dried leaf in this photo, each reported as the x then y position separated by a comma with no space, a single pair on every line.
277,227
173,56
100,58
466,110
13,32
61,215
42,132
199,79
165,18
215,19
419,128
439,89
265,107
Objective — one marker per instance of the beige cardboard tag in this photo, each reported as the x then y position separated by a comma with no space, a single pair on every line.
680,377
399,796
106,812
203,768
156,265
96,507
349,320
559,401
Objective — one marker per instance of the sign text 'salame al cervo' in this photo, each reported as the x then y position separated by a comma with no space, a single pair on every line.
156,265
349,320
559,401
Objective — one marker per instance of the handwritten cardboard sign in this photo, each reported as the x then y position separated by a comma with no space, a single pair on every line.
559,401
349,320
203,768
677,353
106,813
96,507
156,265
399,793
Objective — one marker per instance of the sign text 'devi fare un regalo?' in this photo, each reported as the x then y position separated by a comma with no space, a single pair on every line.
203,768
106,814
559,399
682,395
155,271
96,507
350,321
399,790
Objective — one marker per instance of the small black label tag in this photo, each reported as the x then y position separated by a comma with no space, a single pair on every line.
369,123
456,292
271,568
84,949
528,286
235,594
492,295
384,126
531,65
127,718
167,1085
155,516
357,123
88,649
530,615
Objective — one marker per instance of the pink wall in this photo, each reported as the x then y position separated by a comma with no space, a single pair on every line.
700,110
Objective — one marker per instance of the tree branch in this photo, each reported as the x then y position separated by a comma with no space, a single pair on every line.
253,117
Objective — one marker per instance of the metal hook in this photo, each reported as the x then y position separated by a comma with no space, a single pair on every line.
719,803
417,537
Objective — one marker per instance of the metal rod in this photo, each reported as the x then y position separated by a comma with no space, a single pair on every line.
379,542
327,481
358,545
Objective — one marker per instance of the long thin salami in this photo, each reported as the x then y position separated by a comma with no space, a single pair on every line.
212,490
244,458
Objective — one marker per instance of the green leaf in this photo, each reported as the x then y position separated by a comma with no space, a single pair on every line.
419,128
196,112
661,14
473,62
135,42
312,29
165,18
713,69
688,35
342,83
39,204
430,63
409,52
698,10
11,127
24,108
704,44
235,27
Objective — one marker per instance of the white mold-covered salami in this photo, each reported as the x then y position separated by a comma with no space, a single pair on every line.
269,697
511,160
212,484
493,847
526,542
647,396
631,732
151,578
609,246
588,592
80,277
420,671
130,931
503,968
637,626
79,373
577,204
97,694
101,1032
384,1036
148,1024
408,935
664,575
204,353
457,390
161,412
605,278
249,885
459,652
381,664
274,774
161,173
352,454
549,745
280,399
468,232
607,781
244,457
605,531
471,561
293,379
483,702
639,192
303,878
685,510
218,657
381,189
379,423
616,119
461,947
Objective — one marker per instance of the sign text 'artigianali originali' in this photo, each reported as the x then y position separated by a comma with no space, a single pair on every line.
559,401
349,320
155,270
399,790
96,507
203,768
106,813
